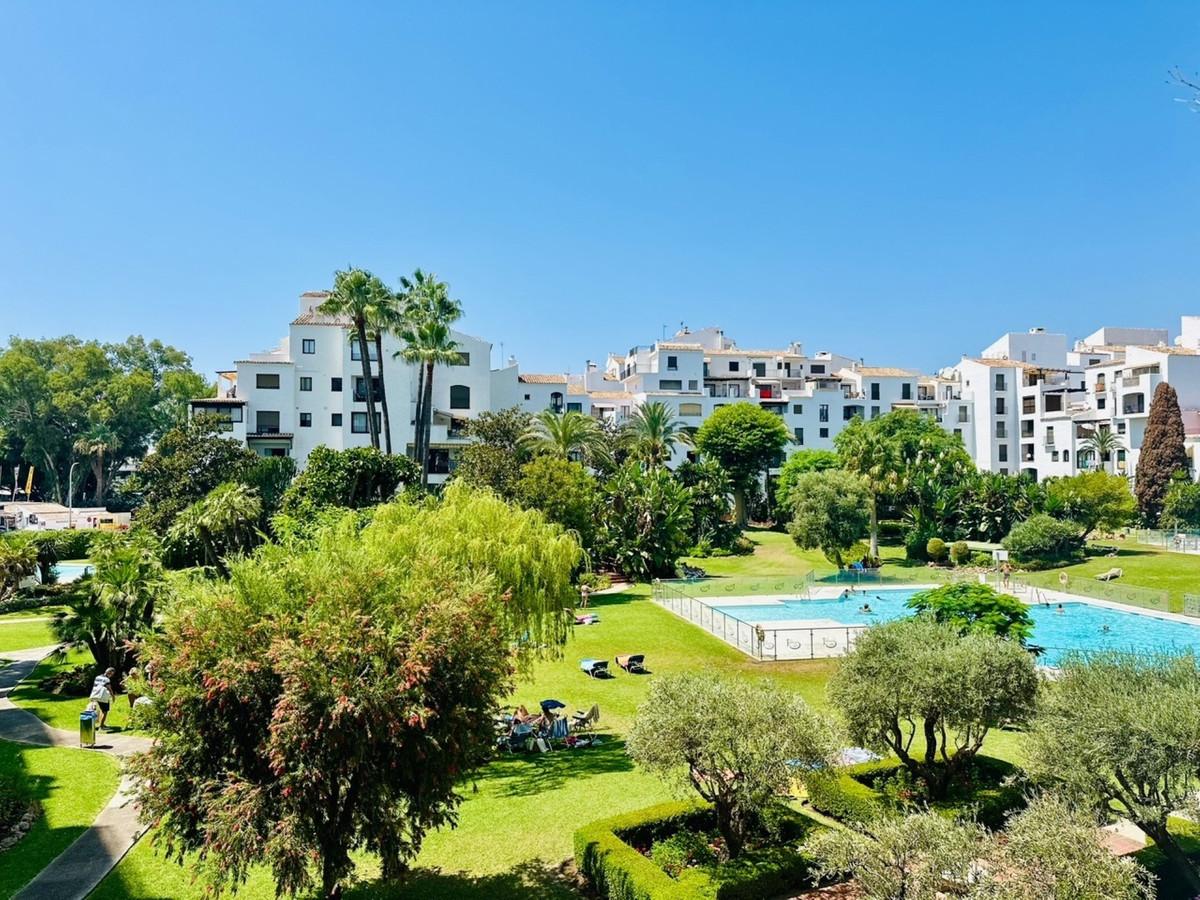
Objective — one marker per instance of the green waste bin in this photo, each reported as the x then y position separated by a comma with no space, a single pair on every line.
87,729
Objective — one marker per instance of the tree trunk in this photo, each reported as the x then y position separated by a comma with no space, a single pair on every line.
100,479
331,889
727,825
1166,842
387,422
427,425
420,411
739,506
366,374
874,527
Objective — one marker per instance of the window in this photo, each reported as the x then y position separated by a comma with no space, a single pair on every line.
1001,429
306,382
1027,428
823,412
336,420
670,384
734,365
1120,427
267,422
999,381
1002,453
817,369
760,370
962,414
691,410
693,384
308,345
672,363
797,409
874,412
571,407
527,396
266,381
799,434
356,353
335,384
460,396
906,391
874,390
274,451
999,406
824,432
360,388
235,414
556,401
306,420
1101,402
1066,456
462,359
358,423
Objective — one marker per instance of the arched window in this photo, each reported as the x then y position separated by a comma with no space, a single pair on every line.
556,401
460,396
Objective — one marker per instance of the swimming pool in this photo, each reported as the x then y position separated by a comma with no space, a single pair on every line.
71,571
833,624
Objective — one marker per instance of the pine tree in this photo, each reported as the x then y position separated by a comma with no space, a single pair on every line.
1162,453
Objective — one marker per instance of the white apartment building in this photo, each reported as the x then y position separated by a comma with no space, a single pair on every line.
1026,404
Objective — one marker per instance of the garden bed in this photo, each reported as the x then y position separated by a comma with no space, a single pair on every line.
623,858
990,792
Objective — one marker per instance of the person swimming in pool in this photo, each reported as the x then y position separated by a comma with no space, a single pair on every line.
865,609
1105,629
1060,609
845,595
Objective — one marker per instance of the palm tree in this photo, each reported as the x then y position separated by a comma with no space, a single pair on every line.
428,340
654,431
224,522
385,316
567,435
94,445
873,456
1102,444
18,561
354,295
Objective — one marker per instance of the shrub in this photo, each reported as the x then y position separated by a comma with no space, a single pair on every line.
682,849
960,553
981,558
14,801
1044,540
935,549
916,545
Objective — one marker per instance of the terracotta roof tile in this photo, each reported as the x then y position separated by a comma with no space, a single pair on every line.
535,378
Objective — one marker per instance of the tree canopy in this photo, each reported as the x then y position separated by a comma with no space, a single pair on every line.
829,512
1093,499
799,463
974,607
745,439
332,694
644,522
355,478
1163,455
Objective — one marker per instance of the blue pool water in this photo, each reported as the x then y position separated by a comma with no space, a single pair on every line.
1080,626
71,571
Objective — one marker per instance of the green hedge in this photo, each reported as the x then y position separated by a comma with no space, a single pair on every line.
850,795
617,871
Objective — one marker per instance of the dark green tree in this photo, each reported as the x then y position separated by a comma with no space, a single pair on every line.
1163,454
564,492
644,521
746,440
496,453
970,606
354,479
713,525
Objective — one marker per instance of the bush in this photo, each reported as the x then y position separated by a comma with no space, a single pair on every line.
960,553
982,558
891,530
14,801
1043,540
597,581
606,855
935,549
916,545
682,849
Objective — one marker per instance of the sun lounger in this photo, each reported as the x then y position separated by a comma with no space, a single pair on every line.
585,721
1110,575
632,662
596,668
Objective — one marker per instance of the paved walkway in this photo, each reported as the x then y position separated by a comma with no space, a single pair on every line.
77,870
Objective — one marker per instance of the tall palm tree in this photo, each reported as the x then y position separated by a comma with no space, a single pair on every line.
654,432
353,295
384,317
95,445
569,434
876,459
428,340
1102,444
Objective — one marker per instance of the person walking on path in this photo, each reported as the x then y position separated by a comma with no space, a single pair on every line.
585,593
102,694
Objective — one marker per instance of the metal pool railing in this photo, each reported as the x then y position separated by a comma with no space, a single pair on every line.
1030,585
755,639
1179,541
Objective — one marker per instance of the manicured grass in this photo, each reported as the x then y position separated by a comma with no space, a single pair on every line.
18,634
72,787
1144,566
60,710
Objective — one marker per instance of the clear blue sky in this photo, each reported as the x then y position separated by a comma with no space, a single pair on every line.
896,181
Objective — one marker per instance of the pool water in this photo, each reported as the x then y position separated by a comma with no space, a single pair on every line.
66,572
1079,626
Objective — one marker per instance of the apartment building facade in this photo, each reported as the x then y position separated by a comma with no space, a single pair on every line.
1026,404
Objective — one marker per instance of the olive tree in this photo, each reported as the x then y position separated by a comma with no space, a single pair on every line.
738,744
333,693
830,512
917,676
1123,727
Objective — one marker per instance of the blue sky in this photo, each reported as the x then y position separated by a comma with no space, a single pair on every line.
896,181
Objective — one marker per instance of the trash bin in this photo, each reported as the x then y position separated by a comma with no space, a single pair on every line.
87,729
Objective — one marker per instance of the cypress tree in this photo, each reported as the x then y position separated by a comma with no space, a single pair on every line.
1162,453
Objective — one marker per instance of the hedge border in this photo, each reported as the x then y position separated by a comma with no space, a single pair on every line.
617,871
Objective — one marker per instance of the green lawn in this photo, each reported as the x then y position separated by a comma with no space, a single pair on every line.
71,785
21,634
58,710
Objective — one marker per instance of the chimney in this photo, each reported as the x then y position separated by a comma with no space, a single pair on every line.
512,361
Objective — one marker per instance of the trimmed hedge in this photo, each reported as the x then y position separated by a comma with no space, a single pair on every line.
850,795
617,871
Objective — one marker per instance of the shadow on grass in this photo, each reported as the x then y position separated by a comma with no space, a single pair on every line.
532,879
526,774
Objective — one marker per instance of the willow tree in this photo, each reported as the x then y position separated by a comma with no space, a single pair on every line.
333,693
